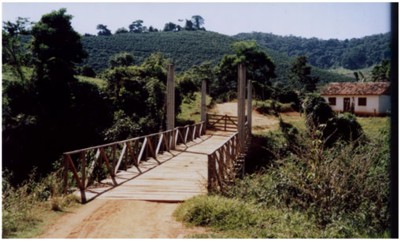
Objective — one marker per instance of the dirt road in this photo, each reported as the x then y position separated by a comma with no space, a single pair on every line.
120,219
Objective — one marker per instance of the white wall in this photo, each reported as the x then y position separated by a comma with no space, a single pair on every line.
384,104
375,104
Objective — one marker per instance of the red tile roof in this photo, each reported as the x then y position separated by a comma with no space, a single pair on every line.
357,88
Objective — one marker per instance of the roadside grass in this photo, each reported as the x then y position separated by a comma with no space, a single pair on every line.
33,205
233,218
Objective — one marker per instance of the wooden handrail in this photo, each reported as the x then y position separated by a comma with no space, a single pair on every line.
83,162
227,161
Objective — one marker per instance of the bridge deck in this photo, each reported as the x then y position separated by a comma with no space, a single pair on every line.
182,174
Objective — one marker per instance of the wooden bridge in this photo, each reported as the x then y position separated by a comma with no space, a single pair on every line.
173,165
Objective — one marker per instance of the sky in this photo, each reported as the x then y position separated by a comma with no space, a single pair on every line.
322,20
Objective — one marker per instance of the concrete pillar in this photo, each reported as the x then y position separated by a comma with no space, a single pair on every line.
241,102
203,101
170,98
249,104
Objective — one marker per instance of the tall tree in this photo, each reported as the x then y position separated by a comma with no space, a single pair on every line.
301,75
198,22
260,69
136,26
103,30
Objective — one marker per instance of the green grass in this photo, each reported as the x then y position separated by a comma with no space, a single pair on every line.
232,218
373,126
190,108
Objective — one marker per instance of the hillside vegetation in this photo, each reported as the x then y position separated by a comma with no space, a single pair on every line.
185,49
351,54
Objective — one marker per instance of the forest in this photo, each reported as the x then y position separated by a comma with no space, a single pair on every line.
63,91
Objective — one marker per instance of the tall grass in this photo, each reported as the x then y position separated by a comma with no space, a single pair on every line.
27,207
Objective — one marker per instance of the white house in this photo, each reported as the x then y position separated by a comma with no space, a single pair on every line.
362,98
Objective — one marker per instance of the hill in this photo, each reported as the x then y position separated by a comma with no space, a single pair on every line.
351,54
185,48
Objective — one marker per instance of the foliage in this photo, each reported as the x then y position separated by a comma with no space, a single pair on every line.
332,53
103,30
381,72
14,53
321,120
259,69
301,75
121,59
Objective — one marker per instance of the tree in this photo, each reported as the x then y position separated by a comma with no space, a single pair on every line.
136,26
381,72
198,21
301,75
53,105
169,27
103,30
189,25
121,31
260,69
13,52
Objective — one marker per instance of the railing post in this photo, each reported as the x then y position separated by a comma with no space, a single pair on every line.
249,105
66,168
170,98
203,100
241,101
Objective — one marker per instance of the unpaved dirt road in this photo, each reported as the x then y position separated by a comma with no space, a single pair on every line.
136,219
120,219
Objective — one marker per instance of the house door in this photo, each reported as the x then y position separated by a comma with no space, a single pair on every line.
346,104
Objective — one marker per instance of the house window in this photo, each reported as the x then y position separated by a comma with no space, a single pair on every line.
332,101
362,101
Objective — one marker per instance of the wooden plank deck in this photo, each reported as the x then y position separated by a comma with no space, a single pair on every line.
182,174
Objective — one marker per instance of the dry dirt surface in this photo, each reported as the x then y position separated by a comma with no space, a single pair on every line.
121,219
260,122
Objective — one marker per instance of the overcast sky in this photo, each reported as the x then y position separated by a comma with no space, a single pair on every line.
321,20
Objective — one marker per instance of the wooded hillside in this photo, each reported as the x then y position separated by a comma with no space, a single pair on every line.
351,54
185,48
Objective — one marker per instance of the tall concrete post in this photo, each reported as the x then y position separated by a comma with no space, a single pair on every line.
249,104
203,101
170,98
241,102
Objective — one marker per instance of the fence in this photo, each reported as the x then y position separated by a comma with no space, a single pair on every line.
86,164
222,122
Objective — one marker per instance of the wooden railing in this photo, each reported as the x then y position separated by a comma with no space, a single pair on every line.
222,122
227,162
84,165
